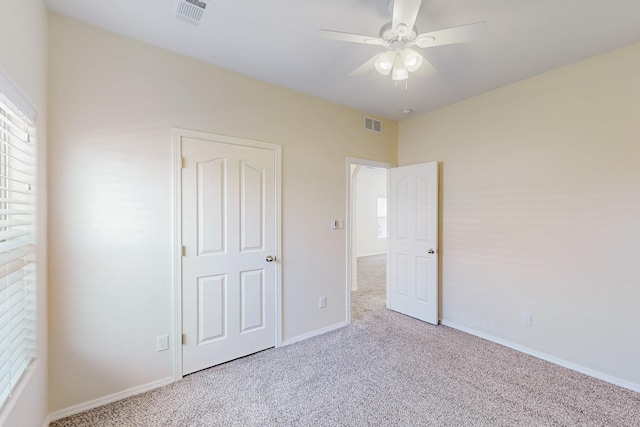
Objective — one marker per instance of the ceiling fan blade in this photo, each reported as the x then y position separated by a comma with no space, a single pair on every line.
405,12
461,34
367,66
350,37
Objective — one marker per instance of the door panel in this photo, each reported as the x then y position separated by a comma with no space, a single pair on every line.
211,203
401,189
252,300
422,277
401,286
422,211
228,229
251,209
212,292
412,280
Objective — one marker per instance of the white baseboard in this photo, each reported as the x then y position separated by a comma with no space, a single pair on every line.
555,360
365,255
107,399
314,333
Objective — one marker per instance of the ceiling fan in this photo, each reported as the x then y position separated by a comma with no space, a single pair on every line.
400,35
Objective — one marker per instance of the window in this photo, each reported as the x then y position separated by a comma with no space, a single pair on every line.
382,217
17,240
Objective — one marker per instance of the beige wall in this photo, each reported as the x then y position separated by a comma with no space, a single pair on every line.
541,211
23,59
113,103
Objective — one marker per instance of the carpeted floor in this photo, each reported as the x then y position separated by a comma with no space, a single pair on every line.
371,294
385,369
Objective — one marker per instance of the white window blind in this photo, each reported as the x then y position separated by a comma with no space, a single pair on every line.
17,244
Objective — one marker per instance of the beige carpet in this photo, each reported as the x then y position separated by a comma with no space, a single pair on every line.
371,293
385,369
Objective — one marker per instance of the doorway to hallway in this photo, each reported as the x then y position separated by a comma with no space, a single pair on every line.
367,238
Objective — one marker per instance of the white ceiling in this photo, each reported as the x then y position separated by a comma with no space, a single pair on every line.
277,41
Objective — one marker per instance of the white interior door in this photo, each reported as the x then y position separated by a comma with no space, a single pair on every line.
412,261
228,215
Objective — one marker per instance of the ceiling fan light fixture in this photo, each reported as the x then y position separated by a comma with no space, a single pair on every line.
400,71
385,62
412,59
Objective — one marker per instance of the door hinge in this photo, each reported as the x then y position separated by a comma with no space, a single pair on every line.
184,251
183,161
184,339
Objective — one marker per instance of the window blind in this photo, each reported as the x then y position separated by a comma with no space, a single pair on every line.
17,245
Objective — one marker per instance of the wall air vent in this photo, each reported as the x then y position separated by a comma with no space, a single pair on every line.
371,124
191,11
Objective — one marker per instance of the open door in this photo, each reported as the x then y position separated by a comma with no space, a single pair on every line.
412,260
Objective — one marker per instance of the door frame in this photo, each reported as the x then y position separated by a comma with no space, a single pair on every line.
349,222
177,135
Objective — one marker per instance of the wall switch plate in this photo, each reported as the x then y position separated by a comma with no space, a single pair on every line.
526,319
162,343
323,302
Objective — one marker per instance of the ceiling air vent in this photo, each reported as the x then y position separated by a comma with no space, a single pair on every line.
371,124
191,11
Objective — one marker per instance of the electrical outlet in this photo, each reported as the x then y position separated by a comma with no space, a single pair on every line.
323,302
526,319
162,343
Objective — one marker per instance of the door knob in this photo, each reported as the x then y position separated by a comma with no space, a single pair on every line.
270,258
431,251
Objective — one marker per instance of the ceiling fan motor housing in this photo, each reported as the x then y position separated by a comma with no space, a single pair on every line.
389,36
